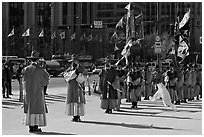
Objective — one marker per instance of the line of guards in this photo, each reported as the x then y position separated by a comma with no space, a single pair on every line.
132,82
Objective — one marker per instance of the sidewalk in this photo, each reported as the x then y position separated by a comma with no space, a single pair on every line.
151,118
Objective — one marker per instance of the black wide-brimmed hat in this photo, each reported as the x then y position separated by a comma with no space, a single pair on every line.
74,57
34,55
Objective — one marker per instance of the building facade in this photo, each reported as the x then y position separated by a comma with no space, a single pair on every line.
69,26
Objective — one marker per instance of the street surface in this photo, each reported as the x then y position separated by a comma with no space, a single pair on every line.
151,118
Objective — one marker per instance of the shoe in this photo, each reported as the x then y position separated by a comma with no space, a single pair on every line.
132,106
106,111
10,93
46,94
35,130
4,96
110,111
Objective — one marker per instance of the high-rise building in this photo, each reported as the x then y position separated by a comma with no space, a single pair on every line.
65,24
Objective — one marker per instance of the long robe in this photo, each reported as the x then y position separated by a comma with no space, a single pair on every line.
75,100
109,94
35,78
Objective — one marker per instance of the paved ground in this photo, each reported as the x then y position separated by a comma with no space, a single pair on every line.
151,118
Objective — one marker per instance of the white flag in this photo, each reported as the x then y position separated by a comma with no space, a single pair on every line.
41,33
53,35
73,36
26,33
183,48
83,37
11,33
89,37
185,19
62,35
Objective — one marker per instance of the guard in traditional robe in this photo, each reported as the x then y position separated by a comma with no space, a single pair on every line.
179,85
172,84
75,100
193,83
109,93
34,79
135,88
148,83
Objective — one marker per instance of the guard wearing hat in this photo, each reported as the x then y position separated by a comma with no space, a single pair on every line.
75,101
109,90
35,78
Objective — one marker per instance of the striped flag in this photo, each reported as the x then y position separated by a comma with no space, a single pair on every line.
73,36
41,33
26,33
11,33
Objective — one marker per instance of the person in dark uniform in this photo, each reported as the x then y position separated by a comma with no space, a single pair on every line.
5,81
135,91
109,93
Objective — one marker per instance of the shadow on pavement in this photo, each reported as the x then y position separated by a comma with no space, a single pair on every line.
128,125
152,115
53,133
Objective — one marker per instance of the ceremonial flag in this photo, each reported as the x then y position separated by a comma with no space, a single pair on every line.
73,36
121,22
114,38
83,36
26,33
126,51
41,33
139,29
53,35
184,29
89,38
185,20
62,35
128,23
116,48
11,33
163,93
183,49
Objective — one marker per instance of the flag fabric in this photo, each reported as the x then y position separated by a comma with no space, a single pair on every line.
184,36
41,33
89,38
183,49
114,38
62,35
139,29
185,20
83,36
128,23
116,48
164,94
11,33
126,51
121,22
53,35
73,36
26,33
132,23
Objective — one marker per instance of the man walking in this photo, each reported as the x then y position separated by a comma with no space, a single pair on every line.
35,78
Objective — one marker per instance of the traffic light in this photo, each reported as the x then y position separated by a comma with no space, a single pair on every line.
63,27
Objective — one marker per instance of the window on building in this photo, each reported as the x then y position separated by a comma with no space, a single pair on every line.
16,14
64,11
